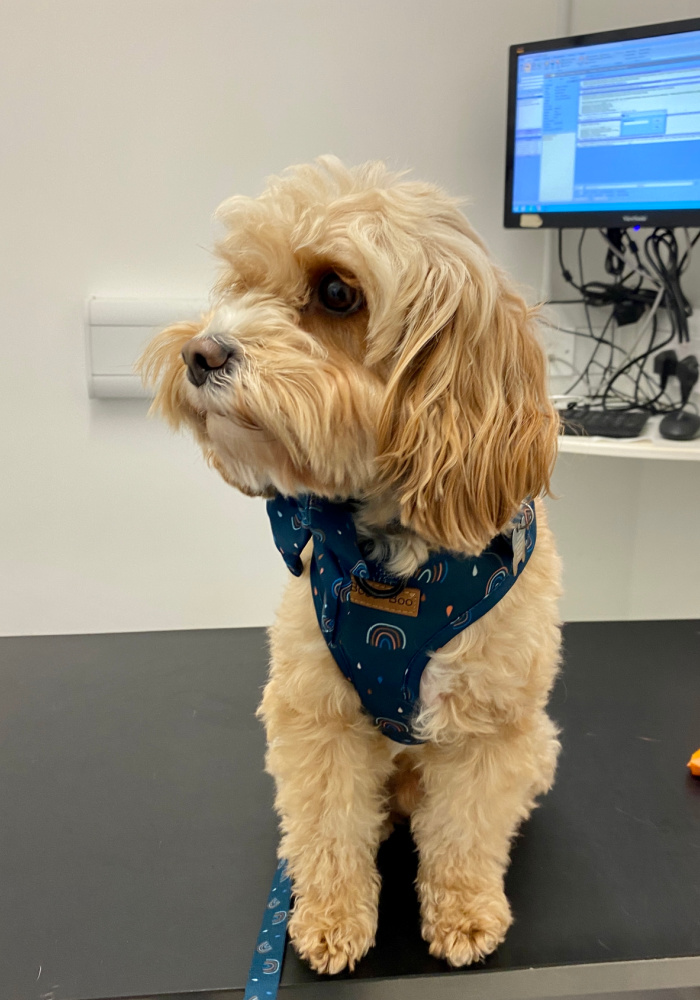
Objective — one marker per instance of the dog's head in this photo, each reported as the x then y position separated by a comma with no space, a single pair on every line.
363,343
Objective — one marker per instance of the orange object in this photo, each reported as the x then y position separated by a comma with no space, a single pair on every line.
694,764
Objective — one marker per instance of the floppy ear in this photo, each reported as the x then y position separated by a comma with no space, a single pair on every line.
467,431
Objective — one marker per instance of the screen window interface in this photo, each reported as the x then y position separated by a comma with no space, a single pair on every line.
610,127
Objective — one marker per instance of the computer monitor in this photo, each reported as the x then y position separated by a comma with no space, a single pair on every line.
604,129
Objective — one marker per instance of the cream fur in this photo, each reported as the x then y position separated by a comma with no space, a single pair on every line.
428,404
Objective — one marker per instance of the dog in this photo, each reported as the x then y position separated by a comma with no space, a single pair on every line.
366,364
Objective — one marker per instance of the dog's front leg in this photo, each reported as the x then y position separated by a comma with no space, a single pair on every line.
330,767
476,793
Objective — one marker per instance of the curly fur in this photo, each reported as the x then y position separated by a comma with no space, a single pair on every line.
429,405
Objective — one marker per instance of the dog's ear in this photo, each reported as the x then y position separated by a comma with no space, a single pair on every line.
467,430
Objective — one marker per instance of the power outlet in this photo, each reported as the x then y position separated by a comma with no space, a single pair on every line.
560,354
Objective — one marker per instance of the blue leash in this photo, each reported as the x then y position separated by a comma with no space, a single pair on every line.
266,967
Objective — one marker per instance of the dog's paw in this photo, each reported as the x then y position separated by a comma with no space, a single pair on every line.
465,930
333,936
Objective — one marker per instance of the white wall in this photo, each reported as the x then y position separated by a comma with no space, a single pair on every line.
125,122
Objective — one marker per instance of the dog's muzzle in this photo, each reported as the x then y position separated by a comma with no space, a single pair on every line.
203,356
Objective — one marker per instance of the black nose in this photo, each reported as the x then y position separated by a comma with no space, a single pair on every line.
203,355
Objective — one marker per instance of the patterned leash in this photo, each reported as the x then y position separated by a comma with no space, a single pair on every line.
266,967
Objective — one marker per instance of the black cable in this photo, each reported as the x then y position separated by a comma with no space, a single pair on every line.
612,290
686,255
563,302
614,258
592,357
601,293
586,370
642,373
641,358
661,249
585,335
627,243
664,266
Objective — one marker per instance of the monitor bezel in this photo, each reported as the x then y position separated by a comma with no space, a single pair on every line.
587,219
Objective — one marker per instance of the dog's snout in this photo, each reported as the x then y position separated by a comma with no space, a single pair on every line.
204,355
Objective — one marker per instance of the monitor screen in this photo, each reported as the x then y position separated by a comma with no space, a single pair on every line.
605,129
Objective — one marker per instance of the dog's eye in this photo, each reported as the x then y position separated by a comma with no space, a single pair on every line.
337,296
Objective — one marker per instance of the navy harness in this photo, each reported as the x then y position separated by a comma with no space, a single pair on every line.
381,629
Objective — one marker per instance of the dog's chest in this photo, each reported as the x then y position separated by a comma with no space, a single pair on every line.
382,630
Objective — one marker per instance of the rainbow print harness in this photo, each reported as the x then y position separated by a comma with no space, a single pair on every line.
382,630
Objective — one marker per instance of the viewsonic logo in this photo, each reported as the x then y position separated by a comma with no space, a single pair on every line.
634,218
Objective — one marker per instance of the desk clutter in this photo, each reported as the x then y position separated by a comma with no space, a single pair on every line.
580,420
632,320
584,421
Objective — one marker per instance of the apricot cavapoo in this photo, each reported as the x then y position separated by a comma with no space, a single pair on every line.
370,371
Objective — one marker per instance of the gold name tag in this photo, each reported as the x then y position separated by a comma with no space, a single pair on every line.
405,603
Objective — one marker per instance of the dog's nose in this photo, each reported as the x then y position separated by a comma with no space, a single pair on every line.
204,355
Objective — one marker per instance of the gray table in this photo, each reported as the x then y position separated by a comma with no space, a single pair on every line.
138,839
